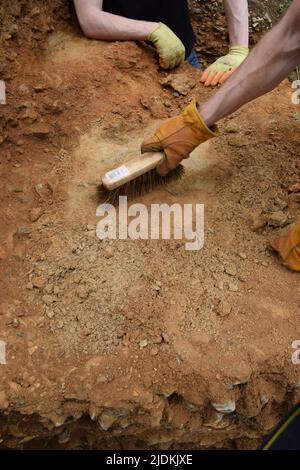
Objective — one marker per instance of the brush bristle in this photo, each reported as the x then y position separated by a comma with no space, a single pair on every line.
139,186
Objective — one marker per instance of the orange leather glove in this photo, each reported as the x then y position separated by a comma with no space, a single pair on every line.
178,137
288,247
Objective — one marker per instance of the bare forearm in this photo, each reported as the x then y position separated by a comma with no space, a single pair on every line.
276,55
97,24
237,16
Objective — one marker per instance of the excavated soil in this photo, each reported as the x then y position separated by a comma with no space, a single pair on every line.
137,343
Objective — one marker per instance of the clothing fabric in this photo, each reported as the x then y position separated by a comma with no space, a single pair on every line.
286,436
173,13
193,60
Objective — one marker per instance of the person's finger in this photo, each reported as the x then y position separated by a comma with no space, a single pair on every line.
205,75
226,76
167,61
181,58
163,169
279,243
216,79
172,61
210,78
164,63
177,60
171,161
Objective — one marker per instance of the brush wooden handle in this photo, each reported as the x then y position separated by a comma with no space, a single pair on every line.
132,169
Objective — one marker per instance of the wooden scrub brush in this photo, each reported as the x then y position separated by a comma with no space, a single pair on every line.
136,177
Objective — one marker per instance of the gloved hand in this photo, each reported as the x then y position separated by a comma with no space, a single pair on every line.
288,247
170,49
222,68
178,137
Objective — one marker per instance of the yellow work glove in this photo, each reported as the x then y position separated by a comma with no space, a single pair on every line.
170,49
288,246
222,68
178,137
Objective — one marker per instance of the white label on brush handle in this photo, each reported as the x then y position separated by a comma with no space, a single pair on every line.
118,173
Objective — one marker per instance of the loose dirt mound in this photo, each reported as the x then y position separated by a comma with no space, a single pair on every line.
161,347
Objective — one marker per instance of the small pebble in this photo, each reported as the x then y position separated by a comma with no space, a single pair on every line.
233,287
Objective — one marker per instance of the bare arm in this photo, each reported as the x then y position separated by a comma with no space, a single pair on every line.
274,57
237,15
97,24
277,54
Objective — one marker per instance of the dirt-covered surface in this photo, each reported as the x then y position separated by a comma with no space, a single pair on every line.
137,344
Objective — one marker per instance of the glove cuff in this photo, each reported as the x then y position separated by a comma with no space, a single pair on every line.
191,115
152,36
239,50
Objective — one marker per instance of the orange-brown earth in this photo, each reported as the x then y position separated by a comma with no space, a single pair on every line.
137,344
